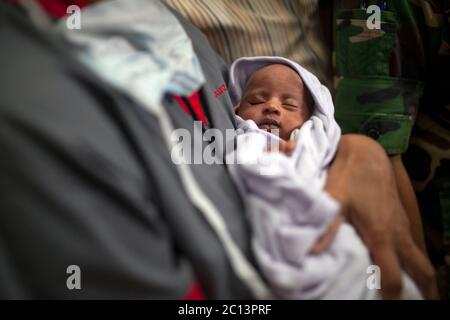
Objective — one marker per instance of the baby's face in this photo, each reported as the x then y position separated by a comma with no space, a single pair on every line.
275,98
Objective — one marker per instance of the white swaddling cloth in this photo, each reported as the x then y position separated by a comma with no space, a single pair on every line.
289,208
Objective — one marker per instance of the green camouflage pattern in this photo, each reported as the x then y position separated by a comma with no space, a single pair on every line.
379,107
393,84
428,163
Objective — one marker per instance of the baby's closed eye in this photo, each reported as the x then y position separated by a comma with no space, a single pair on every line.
292,104
255,100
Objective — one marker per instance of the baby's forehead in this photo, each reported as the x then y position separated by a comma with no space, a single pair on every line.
274,72
277,66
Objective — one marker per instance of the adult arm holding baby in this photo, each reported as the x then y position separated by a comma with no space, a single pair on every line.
362,180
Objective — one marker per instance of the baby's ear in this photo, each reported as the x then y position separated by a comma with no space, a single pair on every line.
237,108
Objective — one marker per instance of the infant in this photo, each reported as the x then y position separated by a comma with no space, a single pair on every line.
275,99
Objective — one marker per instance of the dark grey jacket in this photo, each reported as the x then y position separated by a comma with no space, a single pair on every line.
86,180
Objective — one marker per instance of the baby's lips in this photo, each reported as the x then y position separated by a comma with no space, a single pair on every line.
268,127
269,122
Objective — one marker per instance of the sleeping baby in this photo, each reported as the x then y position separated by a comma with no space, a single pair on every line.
276,99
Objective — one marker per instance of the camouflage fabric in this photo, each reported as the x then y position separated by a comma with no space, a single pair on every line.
428,163
393,84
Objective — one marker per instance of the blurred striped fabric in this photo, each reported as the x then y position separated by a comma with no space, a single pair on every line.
236,28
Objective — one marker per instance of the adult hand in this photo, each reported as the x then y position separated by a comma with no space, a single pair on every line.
362,181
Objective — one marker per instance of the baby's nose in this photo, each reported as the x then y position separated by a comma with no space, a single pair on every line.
272,106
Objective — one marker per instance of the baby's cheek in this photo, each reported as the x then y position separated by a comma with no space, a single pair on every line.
290,125
240,112
304,115
246,114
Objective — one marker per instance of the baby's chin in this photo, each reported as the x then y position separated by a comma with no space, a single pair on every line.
276,131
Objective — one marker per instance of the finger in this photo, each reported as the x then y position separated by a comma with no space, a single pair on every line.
385,257
417,265
325,240
287,147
